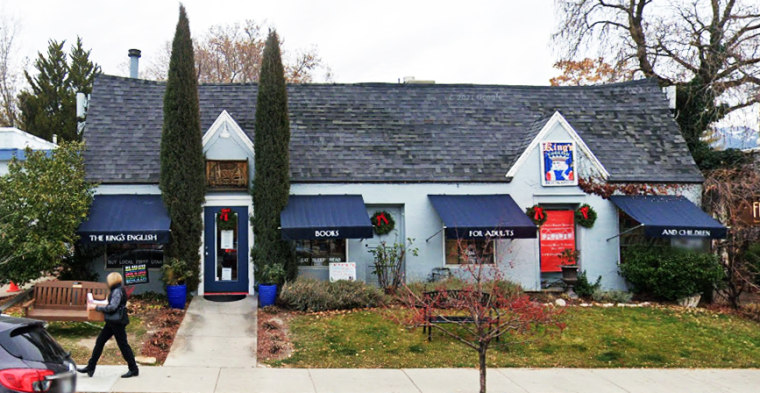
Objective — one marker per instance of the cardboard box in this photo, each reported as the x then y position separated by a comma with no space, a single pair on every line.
95,316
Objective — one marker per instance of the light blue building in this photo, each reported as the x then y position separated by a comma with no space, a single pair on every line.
453,166
13,144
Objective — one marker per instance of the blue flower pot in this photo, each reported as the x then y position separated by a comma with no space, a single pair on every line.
177,295
267,294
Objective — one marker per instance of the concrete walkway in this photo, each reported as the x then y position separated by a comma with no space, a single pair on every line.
216,334
268,380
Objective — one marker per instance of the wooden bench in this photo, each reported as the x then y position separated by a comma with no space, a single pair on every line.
452,299
64,300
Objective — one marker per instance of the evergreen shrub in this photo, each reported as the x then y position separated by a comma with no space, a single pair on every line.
670,273
584,288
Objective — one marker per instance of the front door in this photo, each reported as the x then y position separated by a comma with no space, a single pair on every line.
225,249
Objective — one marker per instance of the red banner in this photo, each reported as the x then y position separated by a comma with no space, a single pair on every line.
557,234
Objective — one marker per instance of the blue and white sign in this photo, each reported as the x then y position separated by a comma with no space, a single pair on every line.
558,164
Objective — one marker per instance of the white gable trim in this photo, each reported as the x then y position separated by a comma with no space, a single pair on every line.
557,118
223,120
22,140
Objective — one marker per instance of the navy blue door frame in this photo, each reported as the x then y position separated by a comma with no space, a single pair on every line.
210,282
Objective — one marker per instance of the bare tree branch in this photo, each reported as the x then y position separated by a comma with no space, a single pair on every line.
232,54
9,76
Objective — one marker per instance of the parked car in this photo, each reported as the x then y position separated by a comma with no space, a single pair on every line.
31,360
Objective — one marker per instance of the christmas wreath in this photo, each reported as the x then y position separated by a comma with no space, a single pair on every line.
382,222
585,216
537,214
226,220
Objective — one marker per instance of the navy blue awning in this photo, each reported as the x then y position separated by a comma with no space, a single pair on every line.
325,217
126,219
669,216
481,216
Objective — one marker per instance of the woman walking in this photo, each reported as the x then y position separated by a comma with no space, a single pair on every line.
116,322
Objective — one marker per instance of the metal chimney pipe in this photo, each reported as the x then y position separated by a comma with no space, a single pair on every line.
134,62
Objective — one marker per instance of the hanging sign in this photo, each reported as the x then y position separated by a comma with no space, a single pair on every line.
342,271
556,235
558,164
750,215
135,274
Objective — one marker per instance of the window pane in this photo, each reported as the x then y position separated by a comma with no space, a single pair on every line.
320,252
226,245
463,251
35,344
224,175
118,255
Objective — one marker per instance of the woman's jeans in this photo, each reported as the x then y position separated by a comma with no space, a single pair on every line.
120,333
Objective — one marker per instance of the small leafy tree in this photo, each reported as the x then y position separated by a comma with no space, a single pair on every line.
483,310
42,202
388,263
183,177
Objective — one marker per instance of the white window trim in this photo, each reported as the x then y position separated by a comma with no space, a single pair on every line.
557,118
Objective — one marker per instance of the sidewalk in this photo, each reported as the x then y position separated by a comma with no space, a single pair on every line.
215,351
216,334
500,380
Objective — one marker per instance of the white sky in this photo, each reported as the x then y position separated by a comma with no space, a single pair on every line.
500,42
465,41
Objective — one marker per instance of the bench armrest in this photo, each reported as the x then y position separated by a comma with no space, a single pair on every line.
26,305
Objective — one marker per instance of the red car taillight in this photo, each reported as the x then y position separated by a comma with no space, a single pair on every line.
28,380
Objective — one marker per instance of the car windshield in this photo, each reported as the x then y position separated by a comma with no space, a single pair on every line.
35,344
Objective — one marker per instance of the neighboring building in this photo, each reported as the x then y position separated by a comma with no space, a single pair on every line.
735,137
14,142
452,165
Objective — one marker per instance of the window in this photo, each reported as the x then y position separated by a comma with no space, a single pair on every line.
320,252
118,255
227,175
33,343
227,245
465,251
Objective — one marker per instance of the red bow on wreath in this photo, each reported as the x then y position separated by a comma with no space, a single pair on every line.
381,217
538,213
224,215
584,211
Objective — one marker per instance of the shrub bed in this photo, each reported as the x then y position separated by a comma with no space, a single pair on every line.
313,295
670,273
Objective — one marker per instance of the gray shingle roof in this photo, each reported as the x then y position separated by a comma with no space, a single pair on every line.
370,132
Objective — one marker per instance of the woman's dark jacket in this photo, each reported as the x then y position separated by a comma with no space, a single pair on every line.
116,299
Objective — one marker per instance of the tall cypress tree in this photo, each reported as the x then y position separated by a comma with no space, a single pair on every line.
182,181
271,184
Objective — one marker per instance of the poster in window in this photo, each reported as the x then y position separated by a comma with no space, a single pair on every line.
227,241
136,274
556,235
558,164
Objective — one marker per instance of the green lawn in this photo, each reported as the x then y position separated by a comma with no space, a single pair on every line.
594,337
79,338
